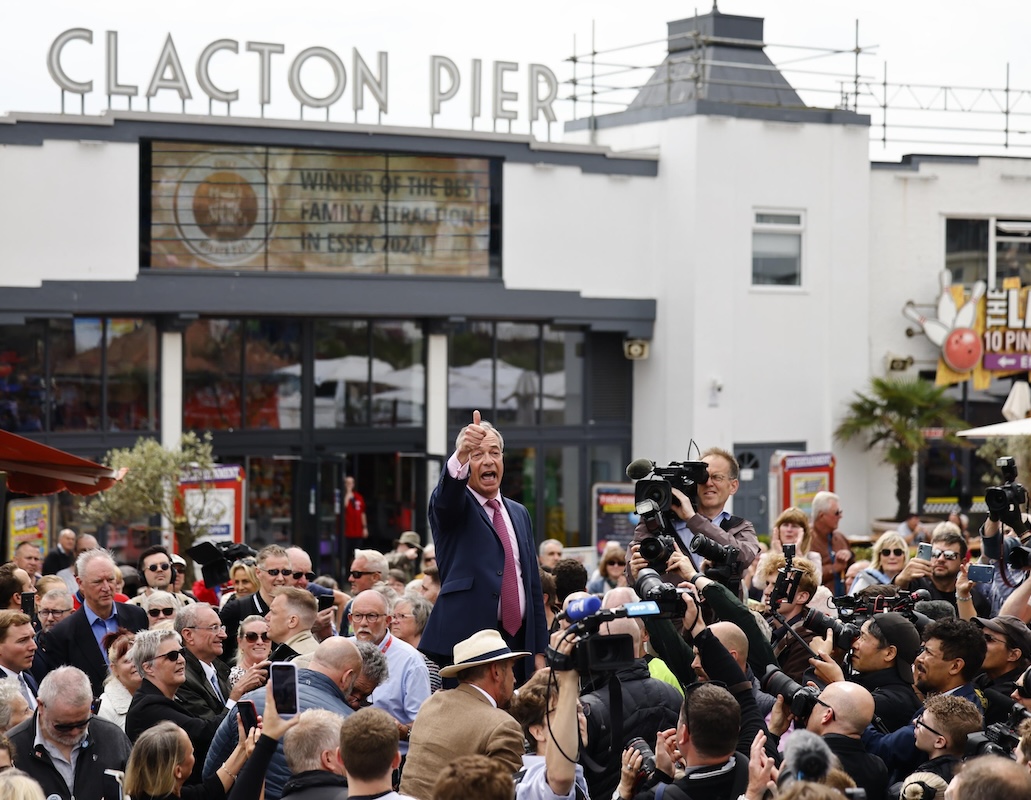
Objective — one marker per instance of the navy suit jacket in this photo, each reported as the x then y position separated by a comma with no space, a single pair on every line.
72,643
471,563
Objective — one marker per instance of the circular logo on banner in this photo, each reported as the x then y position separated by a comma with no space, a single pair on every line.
224,208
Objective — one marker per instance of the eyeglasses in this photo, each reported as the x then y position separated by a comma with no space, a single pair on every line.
208,628
920,721
948,555
357,573
160,567
275,573
172,655
253,636
52,612
161,612
898,551
1003,642
309,575
367,617
66,727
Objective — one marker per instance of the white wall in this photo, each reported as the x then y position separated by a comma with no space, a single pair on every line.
69,211
788,359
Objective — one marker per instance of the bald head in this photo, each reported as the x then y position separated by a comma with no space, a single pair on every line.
851,710
336,654
732,638
627,626
620,596
300,561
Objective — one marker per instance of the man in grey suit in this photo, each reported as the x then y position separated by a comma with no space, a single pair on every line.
483,664
206,690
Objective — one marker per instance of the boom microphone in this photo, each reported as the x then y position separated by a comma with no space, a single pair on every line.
918,595
584,607
639,468
806,757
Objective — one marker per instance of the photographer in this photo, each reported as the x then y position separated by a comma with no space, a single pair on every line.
1008,641
882,659
792,656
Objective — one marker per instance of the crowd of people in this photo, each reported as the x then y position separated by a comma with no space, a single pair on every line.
481,664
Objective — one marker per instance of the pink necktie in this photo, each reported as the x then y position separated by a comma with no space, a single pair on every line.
511,619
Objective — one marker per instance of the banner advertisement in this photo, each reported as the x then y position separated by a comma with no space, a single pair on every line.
613,514
288,209
28,520
222,490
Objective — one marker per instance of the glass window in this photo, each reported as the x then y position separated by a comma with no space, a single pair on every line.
272,369
562,496
777,249
562,400
1013,251
471,372
966,250
76,357
22,378
132,369
212,359
398,375
270,491
517,380
341,373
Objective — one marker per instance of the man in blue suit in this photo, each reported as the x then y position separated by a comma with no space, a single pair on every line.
485,554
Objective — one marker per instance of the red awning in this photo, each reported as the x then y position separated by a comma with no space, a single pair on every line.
34,468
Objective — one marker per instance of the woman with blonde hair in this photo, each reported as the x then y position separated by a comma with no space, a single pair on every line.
253,646
243,574
890,555
18,785
792,527
124,680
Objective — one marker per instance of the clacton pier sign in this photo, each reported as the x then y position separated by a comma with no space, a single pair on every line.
494,90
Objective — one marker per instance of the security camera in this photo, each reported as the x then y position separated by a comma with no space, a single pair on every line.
635,349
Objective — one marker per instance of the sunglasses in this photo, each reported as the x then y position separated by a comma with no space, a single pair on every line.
357,573
252,637
309,575
161,612
173,655
66,727
275,573
889,552
160,567
948,555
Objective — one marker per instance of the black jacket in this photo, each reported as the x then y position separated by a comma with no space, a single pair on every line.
997,692
72,643
150,706
105,747
196,695
316,784
726,782
649,706
895,702
868,771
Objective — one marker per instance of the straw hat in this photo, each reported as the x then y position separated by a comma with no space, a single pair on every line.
483,647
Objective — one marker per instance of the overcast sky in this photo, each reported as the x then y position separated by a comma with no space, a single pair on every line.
941,42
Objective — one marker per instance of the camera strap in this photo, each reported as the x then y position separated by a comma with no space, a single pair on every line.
615,751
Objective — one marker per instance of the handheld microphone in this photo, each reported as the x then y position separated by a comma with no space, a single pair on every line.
639,468
582,608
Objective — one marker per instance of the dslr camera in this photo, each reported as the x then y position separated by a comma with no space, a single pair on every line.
1004,502
801,700
650,586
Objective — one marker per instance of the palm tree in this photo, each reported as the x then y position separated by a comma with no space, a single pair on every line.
895,416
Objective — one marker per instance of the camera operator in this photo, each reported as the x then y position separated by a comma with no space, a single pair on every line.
711,519
938,576
1010,591
649,705
951,656
881,657
792,656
